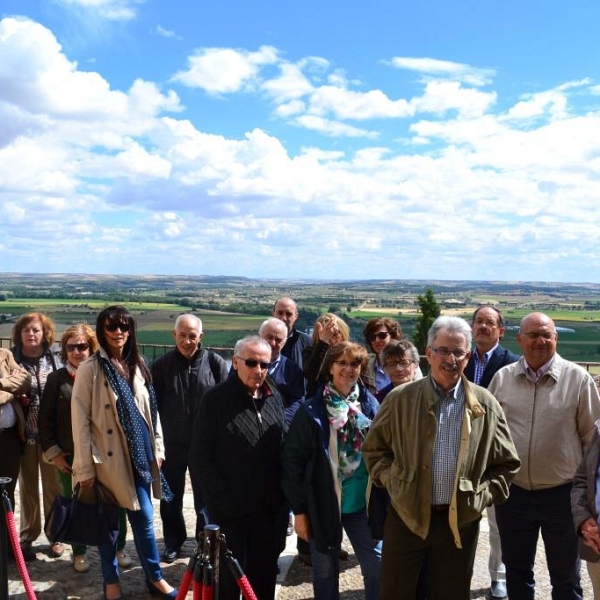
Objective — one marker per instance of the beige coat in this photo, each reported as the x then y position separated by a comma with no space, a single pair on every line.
14,380
100,446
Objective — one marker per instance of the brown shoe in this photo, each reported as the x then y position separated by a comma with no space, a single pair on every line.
57,550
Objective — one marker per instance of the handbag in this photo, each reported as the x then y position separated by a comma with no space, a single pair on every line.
74,521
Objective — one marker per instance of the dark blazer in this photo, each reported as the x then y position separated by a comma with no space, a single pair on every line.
583,495
500,358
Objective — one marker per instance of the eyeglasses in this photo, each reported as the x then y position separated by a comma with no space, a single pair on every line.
382,335
445,353
547,335
252,363
78,347
395,364
343,364
112,327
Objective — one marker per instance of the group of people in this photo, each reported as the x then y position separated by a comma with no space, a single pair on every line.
322,433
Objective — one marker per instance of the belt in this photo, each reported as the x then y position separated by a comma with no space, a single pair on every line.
440,507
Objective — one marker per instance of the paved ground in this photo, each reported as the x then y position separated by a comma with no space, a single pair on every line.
55,579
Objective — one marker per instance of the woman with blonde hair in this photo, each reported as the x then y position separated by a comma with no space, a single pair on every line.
33,336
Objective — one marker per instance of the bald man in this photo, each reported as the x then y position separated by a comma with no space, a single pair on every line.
551,406
181,378
286,310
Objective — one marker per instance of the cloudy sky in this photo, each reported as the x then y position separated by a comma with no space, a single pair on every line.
421,139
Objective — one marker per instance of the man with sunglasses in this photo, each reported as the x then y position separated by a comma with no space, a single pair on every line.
551,406
236,456
487,358
181,378
441,447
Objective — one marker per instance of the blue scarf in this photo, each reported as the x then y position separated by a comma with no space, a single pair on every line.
133,425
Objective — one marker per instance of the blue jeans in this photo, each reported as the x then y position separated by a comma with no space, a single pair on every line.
520,520
142,527
326,566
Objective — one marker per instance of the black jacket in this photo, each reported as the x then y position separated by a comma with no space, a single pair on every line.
294,346
180,386
54,420
307,478
236,451
500,358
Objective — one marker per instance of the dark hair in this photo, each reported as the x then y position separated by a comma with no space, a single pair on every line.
81,329
400,349
354,351
24,320
131,354
392,326
496,310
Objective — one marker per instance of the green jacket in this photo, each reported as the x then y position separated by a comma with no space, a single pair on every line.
398,452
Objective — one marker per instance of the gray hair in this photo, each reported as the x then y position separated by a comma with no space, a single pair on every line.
399,349
272,321
180,318
251,340
452,325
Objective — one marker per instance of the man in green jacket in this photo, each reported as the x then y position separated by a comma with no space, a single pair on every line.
442,449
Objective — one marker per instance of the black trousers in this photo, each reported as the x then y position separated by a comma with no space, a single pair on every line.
174,469
255,541
449,569
10,459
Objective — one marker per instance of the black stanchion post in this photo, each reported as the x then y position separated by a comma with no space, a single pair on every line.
4,541
211,553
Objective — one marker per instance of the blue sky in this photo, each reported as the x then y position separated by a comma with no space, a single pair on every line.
338,140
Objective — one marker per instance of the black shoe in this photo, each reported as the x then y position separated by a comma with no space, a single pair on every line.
343,554
28,551
170,555
154,591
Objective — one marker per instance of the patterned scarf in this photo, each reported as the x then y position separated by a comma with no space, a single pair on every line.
133,423
351,425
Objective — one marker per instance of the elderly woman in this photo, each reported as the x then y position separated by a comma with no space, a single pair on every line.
329,330
400,360
584,506
117,440
324,476
33,336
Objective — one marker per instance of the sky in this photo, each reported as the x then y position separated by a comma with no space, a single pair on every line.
423,139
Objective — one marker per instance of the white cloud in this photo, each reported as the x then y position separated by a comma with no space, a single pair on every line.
444,68
167,33
114,10
333,128
225,70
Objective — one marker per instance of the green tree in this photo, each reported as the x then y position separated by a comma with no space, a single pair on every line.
430,311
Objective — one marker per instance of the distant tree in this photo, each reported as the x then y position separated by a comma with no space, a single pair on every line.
430,311
334,308
2,297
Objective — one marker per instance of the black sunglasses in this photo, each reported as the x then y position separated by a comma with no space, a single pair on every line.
112,327
252,363
73,347
378,336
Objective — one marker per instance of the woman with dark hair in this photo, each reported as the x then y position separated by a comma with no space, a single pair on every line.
324,475
117,440
33,336
379,332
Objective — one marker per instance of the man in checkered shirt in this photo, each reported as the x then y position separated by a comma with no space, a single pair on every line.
442,449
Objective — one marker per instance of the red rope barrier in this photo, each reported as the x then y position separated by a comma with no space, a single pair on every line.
14,540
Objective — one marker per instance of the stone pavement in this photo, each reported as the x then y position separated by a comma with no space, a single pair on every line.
55,579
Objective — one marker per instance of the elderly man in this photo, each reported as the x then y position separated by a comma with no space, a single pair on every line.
441,447
486,359
284,373
285,309
236,455
181,378
551,405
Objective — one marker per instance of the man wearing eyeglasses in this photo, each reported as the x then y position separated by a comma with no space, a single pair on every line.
181,378
442,449
487,358
551,405
236,455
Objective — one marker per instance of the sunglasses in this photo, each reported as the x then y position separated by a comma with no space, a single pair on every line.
78,347
112,327
378,336
253,363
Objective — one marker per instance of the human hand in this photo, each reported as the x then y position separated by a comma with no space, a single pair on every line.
327,331
302,527
88,482
591,534
60,462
